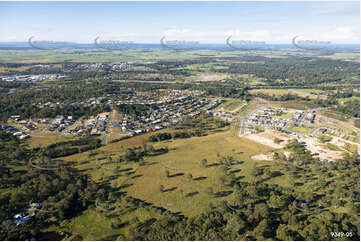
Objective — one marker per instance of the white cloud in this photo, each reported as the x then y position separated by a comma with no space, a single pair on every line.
174,32
336,35
342,34
192,35
256,35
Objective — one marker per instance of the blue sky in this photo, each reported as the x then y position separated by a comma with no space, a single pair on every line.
206,22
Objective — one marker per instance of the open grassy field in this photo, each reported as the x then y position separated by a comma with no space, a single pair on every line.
251,79
342,100
184,158
270,91
300,105
286,115
344,56
46,140
181,194
231,104
253,105
301,130
335,115
7,69
311,93
332,147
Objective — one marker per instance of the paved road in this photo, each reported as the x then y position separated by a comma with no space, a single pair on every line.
105,138
315,130
241,126
107,131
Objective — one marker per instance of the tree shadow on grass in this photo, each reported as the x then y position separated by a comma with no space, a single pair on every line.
191,194
103,184
222,193
130,173
276,174
170,189
235,171
20,172
113,215
239,178
151,163
113,177
200,178
125,185
136,176
85,169
130,210
126,169
162,209
176,174
123,225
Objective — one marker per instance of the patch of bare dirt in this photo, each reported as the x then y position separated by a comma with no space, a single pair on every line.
267,138
262,157
324,154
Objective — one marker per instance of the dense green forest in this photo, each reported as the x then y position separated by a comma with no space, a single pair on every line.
291,70
65,191
297,71
351,108
66,148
